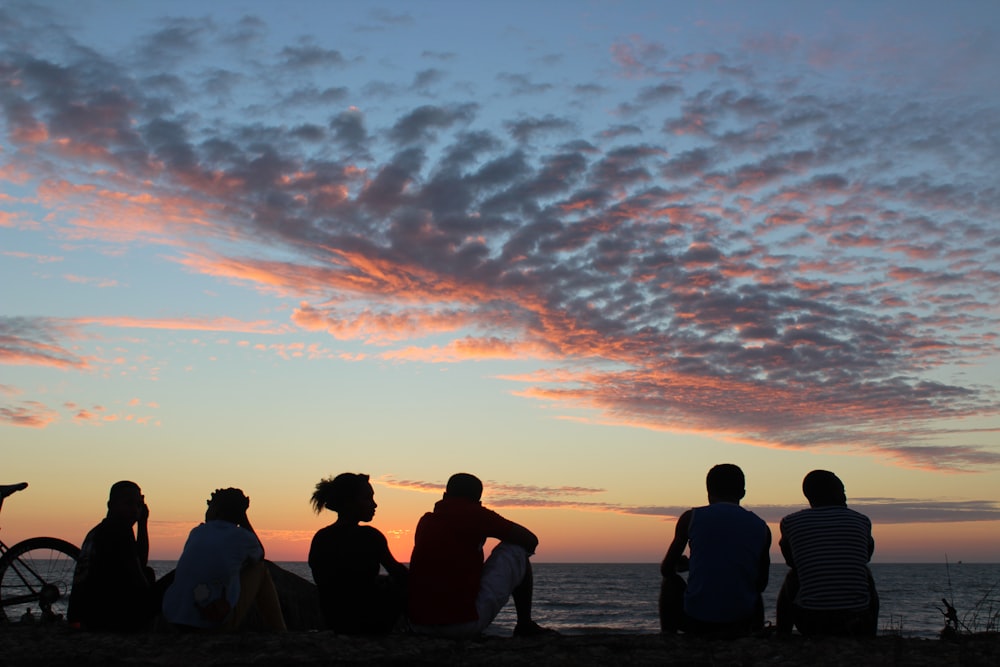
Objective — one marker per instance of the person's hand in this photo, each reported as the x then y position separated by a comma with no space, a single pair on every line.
144,512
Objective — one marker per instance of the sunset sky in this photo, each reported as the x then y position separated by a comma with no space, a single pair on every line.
584,250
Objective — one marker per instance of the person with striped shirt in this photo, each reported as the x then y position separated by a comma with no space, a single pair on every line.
829,589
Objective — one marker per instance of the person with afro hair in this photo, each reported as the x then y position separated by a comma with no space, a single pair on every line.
221,573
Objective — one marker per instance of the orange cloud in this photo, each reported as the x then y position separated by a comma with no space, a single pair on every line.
186,324
381,327
30,414
470,349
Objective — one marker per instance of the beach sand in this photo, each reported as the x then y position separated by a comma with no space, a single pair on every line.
38,645
57,644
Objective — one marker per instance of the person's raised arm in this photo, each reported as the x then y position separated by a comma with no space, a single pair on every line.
244,522
515,533
675,552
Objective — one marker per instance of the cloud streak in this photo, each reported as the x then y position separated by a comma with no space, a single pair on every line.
879,510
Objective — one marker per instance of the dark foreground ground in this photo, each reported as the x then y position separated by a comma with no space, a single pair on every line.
56,644
36,645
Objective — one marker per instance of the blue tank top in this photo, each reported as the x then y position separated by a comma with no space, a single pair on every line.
726,543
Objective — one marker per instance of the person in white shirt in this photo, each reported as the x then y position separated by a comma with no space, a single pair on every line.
221,573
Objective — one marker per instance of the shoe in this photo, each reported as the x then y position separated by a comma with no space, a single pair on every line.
532,629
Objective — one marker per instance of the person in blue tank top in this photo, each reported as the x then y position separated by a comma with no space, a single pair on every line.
727,566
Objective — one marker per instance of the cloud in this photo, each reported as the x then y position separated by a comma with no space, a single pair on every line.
494,489
467,349
185,324
420,123
35,341
40,259
177,39
521,84
30,414
758,259
310,55
879,510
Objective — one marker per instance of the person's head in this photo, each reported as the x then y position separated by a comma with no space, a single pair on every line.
125,501
725,483
464,485
228,505
822,489
348,494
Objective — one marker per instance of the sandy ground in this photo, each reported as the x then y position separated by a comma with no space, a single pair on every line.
35,645
57,644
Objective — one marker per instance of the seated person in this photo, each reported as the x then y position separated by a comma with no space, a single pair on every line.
345,559
727,567
453,593
113,587
829,589
221,572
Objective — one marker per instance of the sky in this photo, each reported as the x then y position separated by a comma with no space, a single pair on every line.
583,250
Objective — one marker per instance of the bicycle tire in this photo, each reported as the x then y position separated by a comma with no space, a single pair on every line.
37,574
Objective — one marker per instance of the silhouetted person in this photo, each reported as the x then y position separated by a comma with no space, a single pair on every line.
221,573
829,589
453,593
113,588
346,558
728,563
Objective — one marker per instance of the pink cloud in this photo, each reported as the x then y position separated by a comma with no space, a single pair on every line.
30,414
470,349
41,259
381,327
185,324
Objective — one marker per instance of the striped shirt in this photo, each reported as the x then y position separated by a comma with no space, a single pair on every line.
829,548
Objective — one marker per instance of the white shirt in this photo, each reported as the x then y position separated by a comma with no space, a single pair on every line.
209,569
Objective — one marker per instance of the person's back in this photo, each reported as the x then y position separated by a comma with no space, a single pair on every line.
726,542
829,588
830,547
346,558
221,572
214,554
108,582
727,567
447,560
113,590
453,592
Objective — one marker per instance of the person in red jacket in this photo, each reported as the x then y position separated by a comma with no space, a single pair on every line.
453,593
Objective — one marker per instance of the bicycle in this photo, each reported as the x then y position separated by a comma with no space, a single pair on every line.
36,574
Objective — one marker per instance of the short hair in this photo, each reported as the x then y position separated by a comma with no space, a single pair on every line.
726,480
229,504
122,489
464,485
334,492
822,488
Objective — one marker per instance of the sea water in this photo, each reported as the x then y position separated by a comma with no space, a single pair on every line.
622,598
578,598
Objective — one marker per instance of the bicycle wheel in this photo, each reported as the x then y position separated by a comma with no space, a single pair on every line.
37,575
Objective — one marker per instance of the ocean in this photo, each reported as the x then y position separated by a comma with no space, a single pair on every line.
577,598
